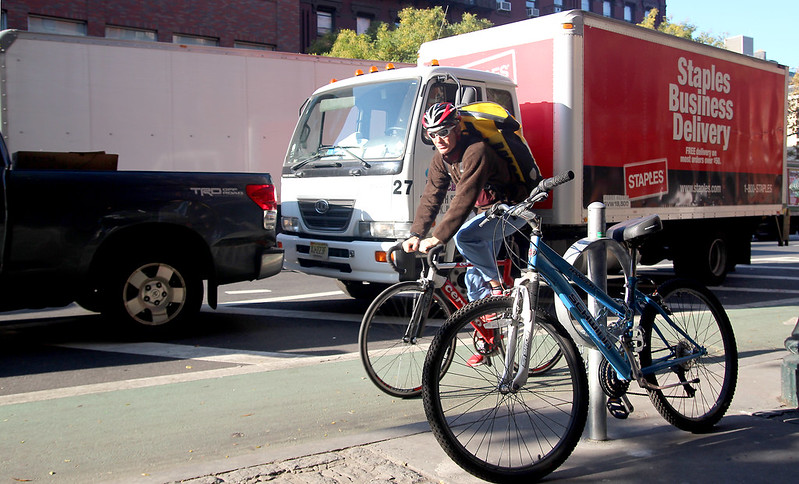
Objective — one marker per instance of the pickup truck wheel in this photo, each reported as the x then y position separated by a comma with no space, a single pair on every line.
155,293
706,260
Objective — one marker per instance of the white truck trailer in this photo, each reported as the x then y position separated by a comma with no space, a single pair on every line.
648,122
158,106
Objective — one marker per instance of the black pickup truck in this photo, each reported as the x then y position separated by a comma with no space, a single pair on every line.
133,245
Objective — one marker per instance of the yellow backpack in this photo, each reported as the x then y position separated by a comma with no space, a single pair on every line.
497,127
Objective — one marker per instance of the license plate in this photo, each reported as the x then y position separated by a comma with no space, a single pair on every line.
318,249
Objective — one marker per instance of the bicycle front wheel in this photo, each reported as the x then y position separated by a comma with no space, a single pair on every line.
708,382
492,432
393,359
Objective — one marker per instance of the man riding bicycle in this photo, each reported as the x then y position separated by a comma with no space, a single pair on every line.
481,178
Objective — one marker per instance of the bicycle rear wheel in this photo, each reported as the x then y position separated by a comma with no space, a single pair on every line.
694,407
501,435
391,359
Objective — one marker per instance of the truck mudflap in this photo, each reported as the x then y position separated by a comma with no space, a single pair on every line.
347,260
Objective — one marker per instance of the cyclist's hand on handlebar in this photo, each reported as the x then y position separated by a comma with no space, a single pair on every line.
427,244
411,244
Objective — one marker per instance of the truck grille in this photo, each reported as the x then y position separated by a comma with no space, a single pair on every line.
330,215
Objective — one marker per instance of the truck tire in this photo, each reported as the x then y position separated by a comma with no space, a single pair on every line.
706,259
154,294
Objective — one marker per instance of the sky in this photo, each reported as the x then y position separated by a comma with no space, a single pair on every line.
771,23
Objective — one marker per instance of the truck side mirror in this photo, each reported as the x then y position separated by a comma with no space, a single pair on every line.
466,95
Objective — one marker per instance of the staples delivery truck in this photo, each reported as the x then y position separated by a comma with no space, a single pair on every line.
648,122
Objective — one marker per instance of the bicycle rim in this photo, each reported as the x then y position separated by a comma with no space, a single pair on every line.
392,361
694,407
499,436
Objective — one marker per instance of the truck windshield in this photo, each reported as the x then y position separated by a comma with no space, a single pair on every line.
360,124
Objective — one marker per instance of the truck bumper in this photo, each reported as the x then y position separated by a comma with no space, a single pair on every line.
271,263
354,260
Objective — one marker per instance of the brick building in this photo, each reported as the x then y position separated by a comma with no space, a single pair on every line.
285,25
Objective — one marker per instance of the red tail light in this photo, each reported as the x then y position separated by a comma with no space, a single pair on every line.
263,196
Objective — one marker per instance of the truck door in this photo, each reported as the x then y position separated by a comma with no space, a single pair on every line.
436,91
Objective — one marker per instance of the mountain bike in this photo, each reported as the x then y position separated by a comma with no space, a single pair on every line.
501,425
400,323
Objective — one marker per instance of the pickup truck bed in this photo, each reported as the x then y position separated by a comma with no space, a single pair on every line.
133,245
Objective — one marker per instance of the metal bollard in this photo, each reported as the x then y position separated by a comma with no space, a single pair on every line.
790,369
598,273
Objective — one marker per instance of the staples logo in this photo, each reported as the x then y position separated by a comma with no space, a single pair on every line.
646,179
503,63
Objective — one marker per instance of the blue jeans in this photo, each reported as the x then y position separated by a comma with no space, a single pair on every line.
480,246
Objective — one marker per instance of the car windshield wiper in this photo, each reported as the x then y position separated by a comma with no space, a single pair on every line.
347,149
321,153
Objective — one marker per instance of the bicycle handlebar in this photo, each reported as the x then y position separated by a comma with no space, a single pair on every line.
538,194
390,260
550,183
432,255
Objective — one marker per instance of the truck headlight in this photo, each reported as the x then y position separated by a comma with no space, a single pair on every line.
385,230
290,224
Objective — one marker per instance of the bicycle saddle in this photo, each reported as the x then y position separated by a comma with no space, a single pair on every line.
635,229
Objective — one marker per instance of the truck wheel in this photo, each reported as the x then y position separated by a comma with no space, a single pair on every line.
361,290
154,293
706,260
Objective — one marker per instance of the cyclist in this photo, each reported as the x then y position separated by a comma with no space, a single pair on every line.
481,178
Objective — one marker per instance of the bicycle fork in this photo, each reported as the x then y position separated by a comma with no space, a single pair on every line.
419,313
525,301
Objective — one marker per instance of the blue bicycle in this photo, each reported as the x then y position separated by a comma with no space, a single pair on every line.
502,423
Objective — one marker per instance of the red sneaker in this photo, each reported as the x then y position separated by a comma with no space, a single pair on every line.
476,360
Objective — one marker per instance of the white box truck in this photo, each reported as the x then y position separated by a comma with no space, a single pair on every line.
648,122
158,106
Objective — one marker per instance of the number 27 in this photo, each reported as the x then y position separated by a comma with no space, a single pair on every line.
398,187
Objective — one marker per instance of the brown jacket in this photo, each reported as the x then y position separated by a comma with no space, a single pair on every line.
481,178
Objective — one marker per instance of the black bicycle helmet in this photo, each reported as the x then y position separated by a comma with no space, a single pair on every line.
440,115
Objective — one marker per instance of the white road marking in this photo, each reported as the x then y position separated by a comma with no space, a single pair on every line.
247,362
248,291
284,298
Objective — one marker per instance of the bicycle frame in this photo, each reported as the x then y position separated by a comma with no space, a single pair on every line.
447,288
559,275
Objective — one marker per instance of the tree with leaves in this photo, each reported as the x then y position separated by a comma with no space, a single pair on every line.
684,30
400,43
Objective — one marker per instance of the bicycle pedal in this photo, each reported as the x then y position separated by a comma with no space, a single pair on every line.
617,408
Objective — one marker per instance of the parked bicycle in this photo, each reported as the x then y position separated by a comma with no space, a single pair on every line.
501,425
400,323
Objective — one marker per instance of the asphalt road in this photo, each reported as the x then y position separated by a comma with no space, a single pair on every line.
273,368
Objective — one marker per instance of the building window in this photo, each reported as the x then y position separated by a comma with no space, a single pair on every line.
51,25
628,12
194,40
324,22
586,5
4,21
606,10
252,45
130,34
362,24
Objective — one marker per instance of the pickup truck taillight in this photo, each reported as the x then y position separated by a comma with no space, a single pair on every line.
263,196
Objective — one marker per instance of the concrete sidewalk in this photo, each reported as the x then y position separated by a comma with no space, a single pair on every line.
758,441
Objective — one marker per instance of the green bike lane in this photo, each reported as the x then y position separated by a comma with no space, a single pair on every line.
235,416
193,427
